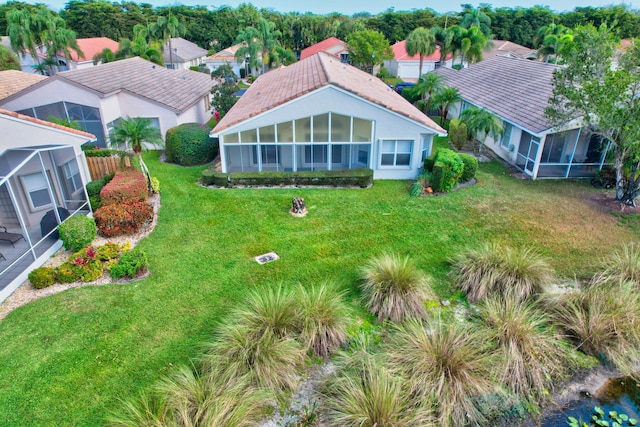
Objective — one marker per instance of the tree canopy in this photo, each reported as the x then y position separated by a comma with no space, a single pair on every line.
368,48
605,98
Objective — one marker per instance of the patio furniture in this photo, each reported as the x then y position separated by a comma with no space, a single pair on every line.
9,237
50,222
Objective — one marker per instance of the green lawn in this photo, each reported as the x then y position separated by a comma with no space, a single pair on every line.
68,358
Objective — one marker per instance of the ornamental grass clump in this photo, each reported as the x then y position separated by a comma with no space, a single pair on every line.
501,270
394,289
447,363
621,266
603,321
531,355
372,397
268,310
263,361
187,398
323,318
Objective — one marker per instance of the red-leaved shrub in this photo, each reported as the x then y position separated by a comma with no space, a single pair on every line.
122,218
126,185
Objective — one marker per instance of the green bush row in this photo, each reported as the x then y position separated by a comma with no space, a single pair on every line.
448,168
103,153
344,178
189,144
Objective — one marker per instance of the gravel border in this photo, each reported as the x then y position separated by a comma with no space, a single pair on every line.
27,293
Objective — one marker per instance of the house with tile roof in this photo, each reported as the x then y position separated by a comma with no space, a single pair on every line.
183,54
14,81
406,67
510,49
228,57
322,114
333,46
518,92
43,174
98,97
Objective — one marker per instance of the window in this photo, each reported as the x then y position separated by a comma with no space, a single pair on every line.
36,187
269,154
315,154
396,153
506,136
72,177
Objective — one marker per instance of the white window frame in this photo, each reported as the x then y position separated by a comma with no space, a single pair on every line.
70,177
25,185
395,153
505,139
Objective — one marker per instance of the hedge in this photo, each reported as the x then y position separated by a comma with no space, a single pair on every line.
470,167
123,218
189,144
342,178
103,153
126,185
452,172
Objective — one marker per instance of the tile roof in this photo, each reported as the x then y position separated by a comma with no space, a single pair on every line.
13,81
518,90
285,84
225,54
90,47
184,50
332,46
400,53
177,89
45,123
505,47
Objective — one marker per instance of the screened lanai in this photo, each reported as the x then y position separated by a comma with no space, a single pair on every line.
323,142
40,187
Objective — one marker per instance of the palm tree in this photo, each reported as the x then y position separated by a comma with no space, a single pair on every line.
24,29
58,40
261,40
444,99
479,120
469,42
422,42
139,47
428,84
550,39
166,28
443,40
476,18
105,56
132,133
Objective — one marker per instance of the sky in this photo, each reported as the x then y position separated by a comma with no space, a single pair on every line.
349,7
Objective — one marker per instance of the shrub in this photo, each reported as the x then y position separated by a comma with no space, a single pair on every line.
130,265
499,270
42,277
95,203
125,218
470,167
103,153
155,185
189,144
77,232
85,265
65,273
416,189
531,354
452,170
458,133
447,362
428,163
126,185
108,251
394,289
323,318
439,171
341,178
373,397
94,187
603,322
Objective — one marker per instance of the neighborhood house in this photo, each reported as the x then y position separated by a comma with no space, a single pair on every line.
322,114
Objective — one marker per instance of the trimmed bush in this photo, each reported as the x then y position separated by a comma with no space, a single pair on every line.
453,171
65,273
189,144
126,185
77,232
437,176
86,265
343,178
103,153
42,277
428,163
458,133
123,218
470,167
95,202
108,251
130,265
94,187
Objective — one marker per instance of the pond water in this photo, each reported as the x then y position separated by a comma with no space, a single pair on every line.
618,394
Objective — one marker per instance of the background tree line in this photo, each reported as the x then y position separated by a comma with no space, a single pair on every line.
217,28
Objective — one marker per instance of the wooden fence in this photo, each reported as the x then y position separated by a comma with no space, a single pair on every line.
101,166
